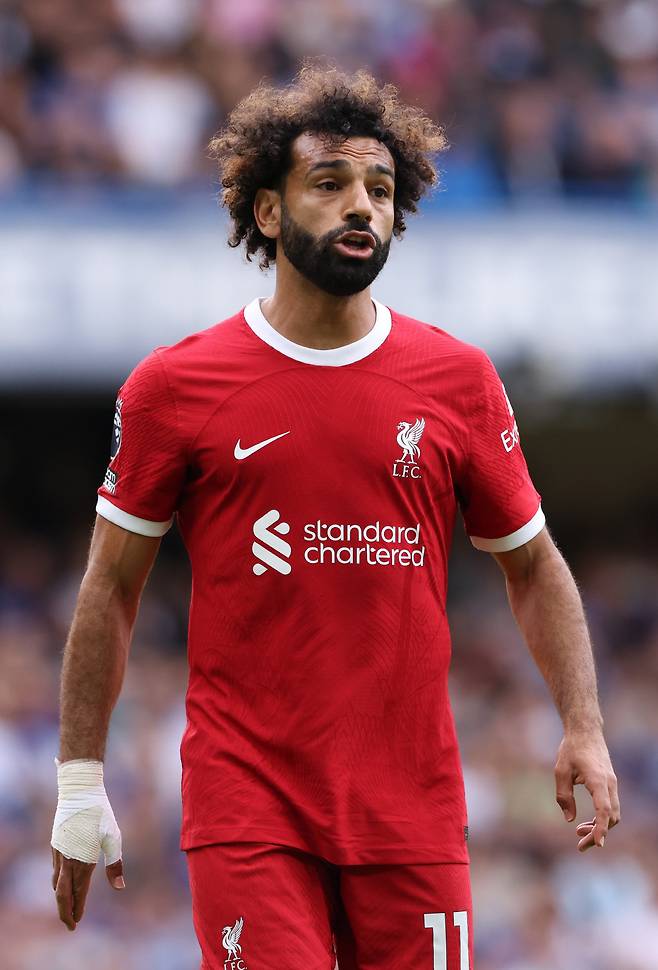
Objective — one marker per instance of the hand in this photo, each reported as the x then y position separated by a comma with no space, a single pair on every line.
583,759
71,881
83,827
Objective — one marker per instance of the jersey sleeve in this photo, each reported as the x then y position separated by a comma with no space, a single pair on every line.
147,458
500,505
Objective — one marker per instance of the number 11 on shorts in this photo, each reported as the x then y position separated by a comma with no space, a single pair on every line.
437,923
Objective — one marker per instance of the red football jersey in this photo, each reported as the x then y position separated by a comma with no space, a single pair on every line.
316,493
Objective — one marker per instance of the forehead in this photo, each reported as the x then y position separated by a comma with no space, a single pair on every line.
310,148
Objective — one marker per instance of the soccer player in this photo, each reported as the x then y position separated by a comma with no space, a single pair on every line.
315,448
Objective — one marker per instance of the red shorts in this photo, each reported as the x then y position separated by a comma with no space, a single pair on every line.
261,907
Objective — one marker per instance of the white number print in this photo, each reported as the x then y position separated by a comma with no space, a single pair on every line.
437,923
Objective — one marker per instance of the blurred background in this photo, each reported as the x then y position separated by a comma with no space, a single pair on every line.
541,245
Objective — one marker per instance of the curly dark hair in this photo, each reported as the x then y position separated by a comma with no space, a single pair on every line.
253,149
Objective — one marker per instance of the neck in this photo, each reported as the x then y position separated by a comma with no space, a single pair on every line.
310,317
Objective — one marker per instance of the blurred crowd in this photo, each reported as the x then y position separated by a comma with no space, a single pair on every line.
538,97
539,905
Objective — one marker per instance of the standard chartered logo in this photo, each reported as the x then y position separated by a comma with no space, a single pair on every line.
336,543
270,549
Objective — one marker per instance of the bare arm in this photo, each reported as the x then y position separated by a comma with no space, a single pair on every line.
92,674
97,649
548,609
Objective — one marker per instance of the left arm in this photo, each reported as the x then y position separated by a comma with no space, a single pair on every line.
549,612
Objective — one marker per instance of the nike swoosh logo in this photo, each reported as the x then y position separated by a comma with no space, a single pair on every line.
241,453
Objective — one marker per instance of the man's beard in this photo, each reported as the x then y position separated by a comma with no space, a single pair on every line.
319,261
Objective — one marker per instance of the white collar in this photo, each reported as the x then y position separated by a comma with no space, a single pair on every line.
336,356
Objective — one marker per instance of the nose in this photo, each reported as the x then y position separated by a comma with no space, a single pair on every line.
358,204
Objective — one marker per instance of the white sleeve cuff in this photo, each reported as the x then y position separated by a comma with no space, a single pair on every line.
514,539
143,527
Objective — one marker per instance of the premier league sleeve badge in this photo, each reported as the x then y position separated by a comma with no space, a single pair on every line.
116,431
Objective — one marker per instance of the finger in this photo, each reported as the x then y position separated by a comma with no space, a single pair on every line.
81,875
64,894
585,827
57,861
564,794
585,832
115,875
602,807
587,842
614,802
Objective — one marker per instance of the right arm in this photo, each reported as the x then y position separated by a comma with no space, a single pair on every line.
92,674
97,648
137,502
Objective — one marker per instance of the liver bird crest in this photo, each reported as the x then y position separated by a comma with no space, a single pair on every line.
231,937
408,438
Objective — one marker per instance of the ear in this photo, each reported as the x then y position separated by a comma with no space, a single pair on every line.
267,212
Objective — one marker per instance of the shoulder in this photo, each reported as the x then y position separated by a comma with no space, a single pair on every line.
204,357
437,347
214,343
185,379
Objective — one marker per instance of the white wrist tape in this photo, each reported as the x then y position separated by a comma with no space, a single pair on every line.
84,821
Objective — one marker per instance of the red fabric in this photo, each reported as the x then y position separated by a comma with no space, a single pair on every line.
298,911
150,464
496,491
318,711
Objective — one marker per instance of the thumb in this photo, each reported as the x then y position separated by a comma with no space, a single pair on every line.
115,875
110,835
565,798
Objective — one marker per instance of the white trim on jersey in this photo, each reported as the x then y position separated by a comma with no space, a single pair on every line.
336,356
143,527
514,539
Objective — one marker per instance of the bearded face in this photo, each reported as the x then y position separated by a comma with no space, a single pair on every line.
323,263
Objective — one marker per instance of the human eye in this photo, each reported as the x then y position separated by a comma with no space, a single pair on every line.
328,184
381,191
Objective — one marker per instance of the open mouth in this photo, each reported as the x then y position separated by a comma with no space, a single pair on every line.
359,244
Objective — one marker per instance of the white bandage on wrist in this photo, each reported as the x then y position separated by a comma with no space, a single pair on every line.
84,821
